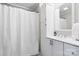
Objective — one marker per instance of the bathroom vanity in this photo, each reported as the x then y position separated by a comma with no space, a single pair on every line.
59,22
64,46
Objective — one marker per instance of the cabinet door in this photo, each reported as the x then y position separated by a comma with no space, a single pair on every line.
57,48
70,50
47,47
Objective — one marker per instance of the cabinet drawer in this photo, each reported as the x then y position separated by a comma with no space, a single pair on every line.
70,50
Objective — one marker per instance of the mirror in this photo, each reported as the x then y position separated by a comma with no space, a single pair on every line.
63,17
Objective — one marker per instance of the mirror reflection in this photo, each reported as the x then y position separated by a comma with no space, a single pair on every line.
66,16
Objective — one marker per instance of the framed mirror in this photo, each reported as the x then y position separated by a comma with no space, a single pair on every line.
63,17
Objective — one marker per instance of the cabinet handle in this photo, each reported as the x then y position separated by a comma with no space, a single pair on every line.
51,42
72,53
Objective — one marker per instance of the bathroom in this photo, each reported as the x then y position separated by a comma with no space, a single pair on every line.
39,29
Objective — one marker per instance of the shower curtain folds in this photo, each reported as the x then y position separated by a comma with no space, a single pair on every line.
19,32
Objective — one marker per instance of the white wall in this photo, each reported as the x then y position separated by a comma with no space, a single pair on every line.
42,28
44,43
76,13
50,20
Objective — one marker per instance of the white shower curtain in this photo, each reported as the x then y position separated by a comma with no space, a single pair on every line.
1,29
19,32
30,45
6,31
33,29
15,31
25,33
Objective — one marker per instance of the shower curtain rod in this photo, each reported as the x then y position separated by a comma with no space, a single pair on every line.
17,6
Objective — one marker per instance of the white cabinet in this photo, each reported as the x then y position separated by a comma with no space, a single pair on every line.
56,48
63,49
70,50
53,47
47,47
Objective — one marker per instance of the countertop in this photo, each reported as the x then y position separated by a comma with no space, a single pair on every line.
69,40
